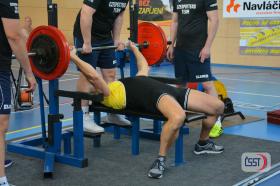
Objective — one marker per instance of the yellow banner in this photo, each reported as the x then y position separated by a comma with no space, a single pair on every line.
260,37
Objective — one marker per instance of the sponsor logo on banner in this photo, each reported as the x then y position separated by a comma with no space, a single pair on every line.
251,8
156,10
255,162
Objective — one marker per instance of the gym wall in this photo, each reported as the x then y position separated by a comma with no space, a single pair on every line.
225,49
67,12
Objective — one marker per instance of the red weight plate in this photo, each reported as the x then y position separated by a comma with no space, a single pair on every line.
62,45
155,36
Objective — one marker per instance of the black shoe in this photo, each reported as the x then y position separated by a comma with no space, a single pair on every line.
8,163
209,148
157,169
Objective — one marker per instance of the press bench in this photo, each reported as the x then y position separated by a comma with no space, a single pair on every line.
134,117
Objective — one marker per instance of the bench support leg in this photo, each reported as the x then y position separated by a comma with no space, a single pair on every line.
135,135
179,148
117,132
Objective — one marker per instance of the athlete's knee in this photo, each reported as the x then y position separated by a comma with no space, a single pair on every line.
218,107
177,119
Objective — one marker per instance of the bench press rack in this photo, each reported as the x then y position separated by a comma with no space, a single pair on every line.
49,147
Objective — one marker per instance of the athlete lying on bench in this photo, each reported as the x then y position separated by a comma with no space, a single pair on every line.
146,94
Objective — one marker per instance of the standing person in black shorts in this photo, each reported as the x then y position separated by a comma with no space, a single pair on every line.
99,23
193,37
10,40
148,95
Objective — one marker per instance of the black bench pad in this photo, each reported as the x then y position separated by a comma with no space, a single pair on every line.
191,116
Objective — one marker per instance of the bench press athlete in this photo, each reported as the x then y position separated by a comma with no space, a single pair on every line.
146,94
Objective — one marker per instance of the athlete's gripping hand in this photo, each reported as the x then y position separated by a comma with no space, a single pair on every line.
73,52
87,48
120,45
130,45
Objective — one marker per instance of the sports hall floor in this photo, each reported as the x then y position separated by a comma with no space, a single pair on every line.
254,91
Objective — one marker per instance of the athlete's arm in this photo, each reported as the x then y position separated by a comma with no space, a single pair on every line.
117,31
173,36
142,65
212,30
86,24
90,73
17,43
174,28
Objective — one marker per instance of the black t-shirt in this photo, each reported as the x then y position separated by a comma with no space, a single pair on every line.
8,9
103,19
192,22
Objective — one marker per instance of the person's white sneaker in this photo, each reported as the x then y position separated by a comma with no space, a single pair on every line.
90,125
116,119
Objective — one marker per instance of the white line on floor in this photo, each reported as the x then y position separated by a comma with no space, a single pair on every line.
252,81
253,94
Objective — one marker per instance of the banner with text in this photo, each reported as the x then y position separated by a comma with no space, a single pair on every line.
251,8
260,37
156,10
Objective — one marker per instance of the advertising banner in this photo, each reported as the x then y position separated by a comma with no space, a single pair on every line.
251,8
156,10
260,37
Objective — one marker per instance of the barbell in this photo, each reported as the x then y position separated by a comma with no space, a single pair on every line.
49,51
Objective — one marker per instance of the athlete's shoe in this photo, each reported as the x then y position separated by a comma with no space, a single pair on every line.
209,148
8,163
216,131
90,125
157,169
115,119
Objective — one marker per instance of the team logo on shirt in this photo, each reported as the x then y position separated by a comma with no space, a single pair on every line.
15,6
117,6
185,8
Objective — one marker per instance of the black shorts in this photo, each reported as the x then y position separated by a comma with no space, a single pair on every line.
5,92
99,58
143,93
187,66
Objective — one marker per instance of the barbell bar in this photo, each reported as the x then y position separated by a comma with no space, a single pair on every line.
30,54
145,44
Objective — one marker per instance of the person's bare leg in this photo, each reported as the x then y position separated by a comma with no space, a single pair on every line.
89,125
210,89
83,86
4,120
210,105
175,115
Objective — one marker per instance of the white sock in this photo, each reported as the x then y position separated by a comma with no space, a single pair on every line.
85,109
4,181
218,122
